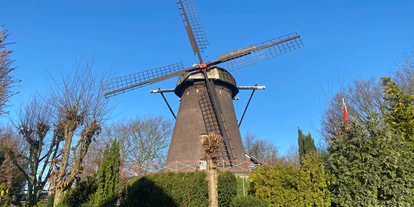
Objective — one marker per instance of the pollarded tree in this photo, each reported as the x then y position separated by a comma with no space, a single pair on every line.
211,145
35,129
81,108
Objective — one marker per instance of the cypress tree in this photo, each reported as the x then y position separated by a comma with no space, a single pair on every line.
306,144
108,177
312,181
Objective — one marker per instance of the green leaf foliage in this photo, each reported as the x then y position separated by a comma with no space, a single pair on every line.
50,199
306,144
168,189
242,184
248,201
108,181
178,189
371,166
286,184
227,188
80,194
277,184
400,110
313,182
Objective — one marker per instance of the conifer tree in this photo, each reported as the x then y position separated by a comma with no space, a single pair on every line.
371,167
312,181
306,144
108,177
400,111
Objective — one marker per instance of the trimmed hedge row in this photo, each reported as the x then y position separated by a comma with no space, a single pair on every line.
248,201
178,189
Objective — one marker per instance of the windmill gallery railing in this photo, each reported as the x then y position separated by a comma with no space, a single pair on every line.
191,166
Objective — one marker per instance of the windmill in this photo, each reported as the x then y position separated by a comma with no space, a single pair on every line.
206,92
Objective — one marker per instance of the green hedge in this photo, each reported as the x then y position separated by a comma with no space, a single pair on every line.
178,189
227,188
248,201
168,189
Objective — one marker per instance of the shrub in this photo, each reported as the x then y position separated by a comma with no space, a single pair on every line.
168,189
227,188
80,194
178,189
50,200
248,201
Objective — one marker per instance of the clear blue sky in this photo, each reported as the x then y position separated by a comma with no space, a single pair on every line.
344,40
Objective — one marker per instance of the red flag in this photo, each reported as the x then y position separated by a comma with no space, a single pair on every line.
346,118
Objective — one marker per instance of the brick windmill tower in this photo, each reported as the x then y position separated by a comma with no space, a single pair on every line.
206,90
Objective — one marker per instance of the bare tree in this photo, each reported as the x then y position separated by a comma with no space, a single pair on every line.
6,80
262,149
35,129
144,143
292,156
81,109
362,98
404,74
10,176
93,158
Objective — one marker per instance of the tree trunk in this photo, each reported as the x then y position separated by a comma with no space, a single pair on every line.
59,195
212,178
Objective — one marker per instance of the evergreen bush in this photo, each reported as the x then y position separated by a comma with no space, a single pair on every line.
78,195
227,188
178,189
248,201
168,189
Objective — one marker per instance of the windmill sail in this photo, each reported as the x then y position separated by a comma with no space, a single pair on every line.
193,26
136,80
260,52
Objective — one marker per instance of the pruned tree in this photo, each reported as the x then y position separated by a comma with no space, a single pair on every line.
211,145
262,149
35,128
93,158
81,109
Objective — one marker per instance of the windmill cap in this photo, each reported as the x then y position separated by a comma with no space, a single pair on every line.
219,75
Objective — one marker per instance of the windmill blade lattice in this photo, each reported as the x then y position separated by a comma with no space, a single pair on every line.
260,52
193,26
136,80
